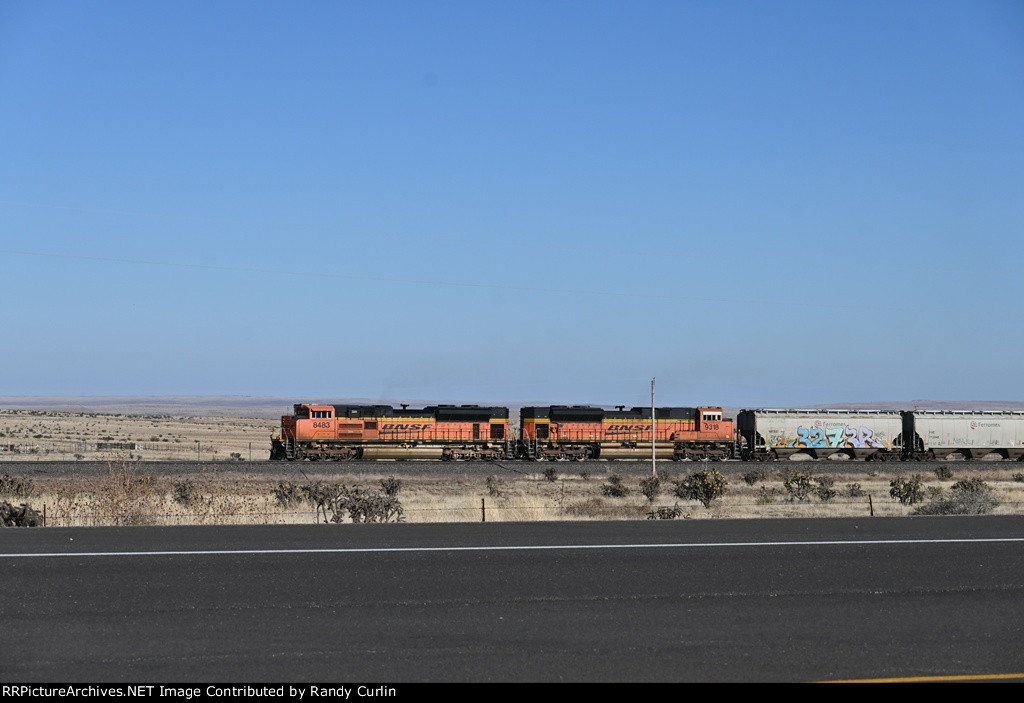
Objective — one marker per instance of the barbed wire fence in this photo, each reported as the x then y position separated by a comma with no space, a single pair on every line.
493,510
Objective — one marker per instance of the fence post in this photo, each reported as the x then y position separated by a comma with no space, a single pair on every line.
871,507
44,514
483,511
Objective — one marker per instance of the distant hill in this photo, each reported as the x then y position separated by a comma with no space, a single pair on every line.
271,407
930,405
186,406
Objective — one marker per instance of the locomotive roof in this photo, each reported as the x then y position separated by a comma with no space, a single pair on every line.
881,411
822,411
591,413
462,412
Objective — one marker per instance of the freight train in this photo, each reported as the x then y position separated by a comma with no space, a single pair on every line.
318,432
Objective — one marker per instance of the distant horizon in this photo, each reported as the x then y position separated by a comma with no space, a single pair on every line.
274,406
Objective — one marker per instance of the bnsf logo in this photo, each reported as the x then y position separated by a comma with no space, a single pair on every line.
629,428
393,426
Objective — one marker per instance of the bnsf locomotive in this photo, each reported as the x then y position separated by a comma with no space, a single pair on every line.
348,432
351,432
583,432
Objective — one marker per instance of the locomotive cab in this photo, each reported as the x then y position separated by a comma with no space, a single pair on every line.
710,435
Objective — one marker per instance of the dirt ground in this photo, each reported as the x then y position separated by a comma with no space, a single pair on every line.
66,436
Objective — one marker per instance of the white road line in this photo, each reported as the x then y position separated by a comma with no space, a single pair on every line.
525,547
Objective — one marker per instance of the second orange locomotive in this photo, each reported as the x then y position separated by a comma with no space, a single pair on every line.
579,432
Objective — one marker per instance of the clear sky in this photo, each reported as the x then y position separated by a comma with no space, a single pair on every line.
757,203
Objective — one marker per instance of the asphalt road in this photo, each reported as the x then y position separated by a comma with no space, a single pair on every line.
687,601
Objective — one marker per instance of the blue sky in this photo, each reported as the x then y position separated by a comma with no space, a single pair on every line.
757,203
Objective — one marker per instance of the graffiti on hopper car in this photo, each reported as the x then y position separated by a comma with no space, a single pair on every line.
834,437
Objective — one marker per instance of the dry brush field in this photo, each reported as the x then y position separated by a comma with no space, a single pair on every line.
153,469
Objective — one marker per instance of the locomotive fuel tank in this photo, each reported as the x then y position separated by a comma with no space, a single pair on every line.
640,452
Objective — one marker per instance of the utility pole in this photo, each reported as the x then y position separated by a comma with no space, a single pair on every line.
654,460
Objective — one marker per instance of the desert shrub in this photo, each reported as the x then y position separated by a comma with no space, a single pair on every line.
495,487
614,487
551,473
585,474
390,486
21,516
970,485
16,486
754,477
966,497
824,489
665,513
943,473
1019,477
705,486
799,486
336,501
322,496
127,496
907,490
650,487
186,493
366,506
855,491
287,494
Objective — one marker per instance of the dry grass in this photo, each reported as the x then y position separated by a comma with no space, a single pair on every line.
126,495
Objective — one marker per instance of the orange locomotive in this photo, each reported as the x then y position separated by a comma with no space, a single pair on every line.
580,432
351,432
